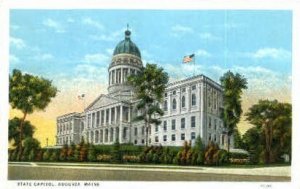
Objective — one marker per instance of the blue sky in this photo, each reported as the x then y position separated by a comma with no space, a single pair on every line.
74,47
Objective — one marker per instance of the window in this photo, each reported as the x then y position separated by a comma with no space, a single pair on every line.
135,141
193,121
215,138
143,141
166,94
165,125
173,124
107,115
166,105
182,136
215,100
193,99
215,124
183,102
156,128
174,104
193,135
89,121
183,90
143,130
98,119
182,123
209,137
173,137
209,122
165,138
223,139
174,92
135,131
93,120
194,87
156,139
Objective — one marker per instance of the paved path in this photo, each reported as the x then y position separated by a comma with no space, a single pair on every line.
84,171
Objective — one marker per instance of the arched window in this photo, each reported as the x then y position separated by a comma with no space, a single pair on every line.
166,105
193,100
183,102
174,104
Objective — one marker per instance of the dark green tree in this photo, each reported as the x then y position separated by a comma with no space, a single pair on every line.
238,142
31,146
233,85
273,119
91,156
14,131
28,93
253,143
198,152
149,85
63,156
117,153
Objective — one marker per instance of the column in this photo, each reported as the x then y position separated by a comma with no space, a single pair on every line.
117,75
121,127
109,117
116,114
122,79
104,117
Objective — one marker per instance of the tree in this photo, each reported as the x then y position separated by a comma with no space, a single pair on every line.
91,155
233,85
149,85
116,152
252,141
238,142
198,152
31,146
273,119
14,130
28,93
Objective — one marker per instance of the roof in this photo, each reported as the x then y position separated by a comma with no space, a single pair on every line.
126,46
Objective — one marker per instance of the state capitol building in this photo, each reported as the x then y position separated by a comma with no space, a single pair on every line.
191,107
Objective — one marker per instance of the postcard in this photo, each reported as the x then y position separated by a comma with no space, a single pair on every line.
103,95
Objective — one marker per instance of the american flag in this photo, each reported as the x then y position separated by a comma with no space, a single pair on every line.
80,97
189,58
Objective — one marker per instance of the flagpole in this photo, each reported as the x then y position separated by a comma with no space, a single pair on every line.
194,64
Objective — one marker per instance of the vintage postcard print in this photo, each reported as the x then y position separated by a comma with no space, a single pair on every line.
100,95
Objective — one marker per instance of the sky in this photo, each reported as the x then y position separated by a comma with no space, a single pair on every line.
73,48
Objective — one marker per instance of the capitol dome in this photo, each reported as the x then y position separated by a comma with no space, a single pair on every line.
126,60
127,46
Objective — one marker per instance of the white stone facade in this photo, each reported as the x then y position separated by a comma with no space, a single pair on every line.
191,107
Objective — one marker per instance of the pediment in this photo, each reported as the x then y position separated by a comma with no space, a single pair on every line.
102,100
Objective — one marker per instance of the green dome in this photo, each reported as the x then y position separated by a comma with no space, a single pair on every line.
127,46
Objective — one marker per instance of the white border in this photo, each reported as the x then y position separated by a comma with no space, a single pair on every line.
294,5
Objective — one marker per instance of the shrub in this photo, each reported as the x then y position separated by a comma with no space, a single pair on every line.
131,159
211,156
54,156
46,155
104,158
91,156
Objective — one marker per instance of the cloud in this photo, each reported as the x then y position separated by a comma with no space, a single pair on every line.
17,42
43,57
93,23
274,53
202,53
56,26
13,59
97,58
179,30
92,73
14,27
208,36
107,37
